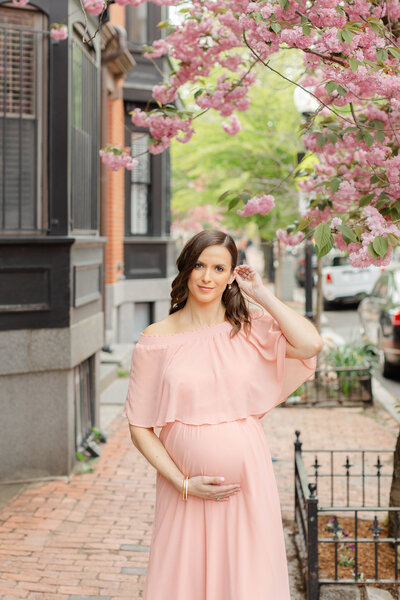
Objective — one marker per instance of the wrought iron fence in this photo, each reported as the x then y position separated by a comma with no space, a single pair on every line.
332,386
84,402
353,493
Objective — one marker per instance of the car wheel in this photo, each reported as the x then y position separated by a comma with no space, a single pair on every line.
387,368
328,305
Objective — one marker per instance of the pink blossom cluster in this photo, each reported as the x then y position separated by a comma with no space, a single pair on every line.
291,239
116,158
94,7
163,128
233,127
360,255
58,32
258,204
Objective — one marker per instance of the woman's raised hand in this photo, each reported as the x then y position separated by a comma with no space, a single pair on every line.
211,488
248,279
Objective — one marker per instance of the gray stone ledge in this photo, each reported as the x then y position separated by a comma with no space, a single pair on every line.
339,592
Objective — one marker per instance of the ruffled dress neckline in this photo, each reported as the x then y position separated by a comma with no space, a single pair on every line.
201,331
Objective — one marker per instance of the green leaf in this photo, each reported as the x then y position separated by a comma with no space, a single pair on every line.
380,136
321,140
347,233
284,4
380,245
354,64
304,223
306,30
339,36
330,86
233,202
395,52
366,199
223,196
374,179
276,27
358,229
372,251
322,236
369,140
334,184
347,36
374,25
325,249
341,90
332,137
381,55
393,239
377,124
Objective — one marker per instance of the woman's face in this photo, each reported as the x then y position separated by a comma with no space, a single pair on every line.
211,274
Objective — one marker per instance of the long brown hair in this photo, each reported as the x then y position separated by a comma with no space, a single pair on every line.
235,307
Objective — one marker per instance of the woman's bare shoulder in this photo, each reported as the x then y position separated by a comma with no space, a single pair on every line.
160,327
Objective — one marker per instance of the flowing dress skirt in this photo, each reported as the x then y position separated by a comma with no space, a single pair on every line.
226,550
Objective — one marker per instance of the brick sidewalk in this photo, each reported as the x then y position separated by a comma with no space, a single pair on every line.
88,537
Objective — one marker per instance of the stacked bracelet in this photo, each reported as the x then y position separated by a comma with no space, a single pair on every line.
185,487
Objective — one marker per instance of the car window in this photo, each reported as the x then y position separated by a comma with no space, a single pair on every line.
381,287
339,261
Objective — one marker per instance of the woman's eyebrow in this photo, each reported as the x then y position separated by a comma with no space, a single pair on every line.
216,265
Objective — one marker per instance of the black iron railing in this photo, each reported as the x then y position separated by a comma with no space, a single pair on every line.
332,386
350,483
84,402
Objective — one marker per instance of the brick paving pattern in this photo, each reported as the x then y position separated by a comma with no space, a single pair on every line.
88,537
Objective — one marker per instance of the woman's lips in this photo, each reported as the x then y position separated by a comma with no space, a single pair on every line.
206,289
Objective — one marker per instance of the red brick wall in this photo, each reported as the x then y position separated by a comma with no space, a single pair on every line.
115,180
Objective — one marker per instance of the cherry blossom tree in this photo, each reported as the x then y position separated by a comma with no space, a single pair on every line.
351,60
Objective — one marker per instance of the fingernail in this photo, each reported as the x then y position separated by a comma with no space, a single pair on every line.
222,478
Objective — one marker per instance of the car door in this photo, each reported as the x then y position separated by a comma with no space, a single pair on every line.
372,306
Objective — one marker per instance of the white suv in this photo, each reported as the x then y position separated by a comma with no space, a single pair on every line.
341,282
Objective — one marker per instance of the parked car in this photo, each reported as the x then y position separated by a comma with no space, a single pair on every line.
380,319
343,283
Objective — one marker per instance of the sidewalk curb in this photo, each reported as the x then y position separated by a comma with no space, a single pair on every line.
385,398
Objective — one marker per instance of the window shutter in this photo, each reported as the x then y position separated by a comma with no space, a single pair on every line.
22,62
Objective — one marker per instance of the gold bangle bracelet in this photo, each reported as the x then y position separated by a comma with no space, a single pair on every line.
185,487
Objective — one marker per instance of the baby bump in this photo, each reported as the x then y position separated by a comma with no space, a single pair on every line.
221,449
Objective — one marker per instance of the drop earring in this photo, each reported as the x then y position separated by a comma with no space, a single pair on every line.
229,286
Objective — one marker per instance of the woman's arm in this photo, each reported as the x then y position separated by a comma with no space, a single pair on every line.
302,338
149,444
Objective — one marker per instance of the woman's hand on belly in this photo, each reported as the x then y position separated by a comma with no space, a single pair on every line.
211,488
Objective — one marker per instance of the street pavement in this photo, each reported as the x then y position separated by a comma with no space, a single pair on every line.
88,536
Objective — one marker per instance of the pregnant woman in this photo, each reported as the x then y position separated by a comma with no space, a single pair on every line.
206,374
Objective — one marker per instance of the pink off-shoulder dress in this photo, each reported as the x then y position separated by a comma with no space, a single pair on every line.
207,392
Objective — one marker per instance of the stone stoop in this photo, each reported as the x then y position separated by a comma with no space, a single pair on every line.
352,592
113,362
374,593
339,592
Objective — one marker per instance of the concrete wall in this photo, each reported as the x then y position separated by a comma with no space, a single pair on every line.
120,301
37,427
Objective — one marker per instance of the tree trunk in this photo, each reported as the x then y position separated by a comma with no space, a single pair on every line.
394,497
319,307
